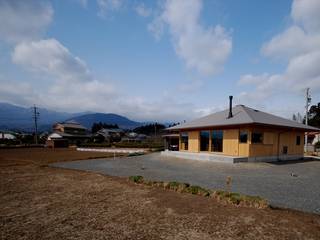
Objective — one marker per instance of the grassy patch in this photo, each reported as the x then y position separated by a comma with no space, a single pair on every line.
198,191
240,199
223,196
136,179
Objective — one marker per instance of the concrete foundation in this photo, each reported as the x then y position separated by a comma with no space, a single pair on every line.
228,159
204,156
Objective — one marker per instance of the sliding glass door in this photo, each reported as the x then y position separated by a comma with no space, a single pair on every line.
217,141
204,140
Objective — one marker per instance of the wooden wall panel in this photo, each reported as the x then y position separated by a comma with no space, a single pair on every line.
268,137
231,142
244,148
289,139
272,147
194,141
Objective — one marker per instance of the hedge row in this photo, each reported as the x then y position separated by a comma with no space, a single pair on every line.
223,196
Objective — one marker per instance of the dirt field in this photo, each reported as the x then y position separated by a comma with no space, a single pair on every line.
39,202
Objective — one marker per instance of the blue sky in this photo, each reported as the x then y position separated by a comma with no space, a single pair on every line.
164,60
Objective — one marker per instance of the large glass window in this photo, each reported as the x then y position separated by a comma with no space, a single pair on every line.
217,141
243,137
256,137
184,140
204,140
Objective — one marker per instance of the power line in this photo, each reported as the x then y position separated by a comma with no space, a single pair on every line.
35,118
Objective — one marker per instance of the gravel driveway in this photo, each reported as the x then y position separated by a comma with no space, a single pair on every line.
292,185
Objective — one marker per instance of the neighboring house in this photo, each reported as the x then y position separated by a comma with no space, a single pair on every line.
313,138
240,134
67,133
134,137
7,136
108,135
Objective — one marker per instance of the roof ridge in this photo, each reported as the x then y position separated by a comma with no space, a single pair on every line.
246,112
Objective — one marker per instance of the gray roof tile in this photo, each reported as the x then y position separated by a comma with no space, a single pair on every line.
241,115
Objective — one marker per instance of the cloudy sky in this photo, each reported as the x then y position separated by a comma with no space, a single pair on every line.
165,60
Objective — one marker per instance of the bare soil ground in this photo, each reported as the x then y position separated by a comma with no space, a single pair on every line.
39,202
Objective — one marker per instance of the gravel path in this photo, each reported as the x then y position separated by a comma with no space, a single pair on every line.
293,185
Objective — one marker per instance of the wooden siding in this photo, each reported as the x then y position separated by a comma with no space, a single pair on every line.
244,148
231,142
271,146
268,138
194,141
275,140
289,139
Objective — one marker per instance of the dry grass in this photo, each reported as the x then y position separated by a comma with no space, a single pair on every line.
39,202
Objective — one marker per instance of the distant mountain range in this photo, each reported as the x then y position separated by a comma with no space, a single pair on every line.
110,118
20,118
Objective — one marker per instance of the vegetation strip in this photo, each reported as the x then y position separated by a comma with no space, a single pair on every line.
223,196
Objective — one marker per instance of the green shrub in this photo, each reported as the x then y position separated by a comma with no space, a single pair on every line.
135,154
136,179
225,196
239,199
198,191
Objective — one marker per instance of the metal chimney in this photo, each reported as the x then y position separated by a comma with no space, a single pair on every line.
230,107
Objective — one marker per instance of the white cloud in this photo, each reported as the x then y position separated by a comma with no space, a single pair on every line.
51,57
72,84
306,13
106,6
292,42
73,88
23,20
299,45
97,96
142,10
20,93
203,49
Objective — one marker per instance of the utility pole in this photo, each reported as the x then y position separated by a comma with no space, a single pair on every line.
35,118
308,101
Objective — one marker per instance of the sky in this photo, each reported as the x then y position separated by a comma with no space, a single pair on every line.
161,60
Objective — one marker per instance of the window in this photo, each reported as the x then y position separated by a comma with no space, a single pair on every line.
204,140
184,140
298,140
243,137
256,137
217,141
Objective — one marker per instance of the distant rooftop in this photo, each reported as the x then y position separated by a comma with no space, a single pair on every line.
242,115
72,124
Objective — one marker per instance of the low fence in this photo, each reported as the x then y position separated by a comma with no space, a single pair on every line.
112,150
